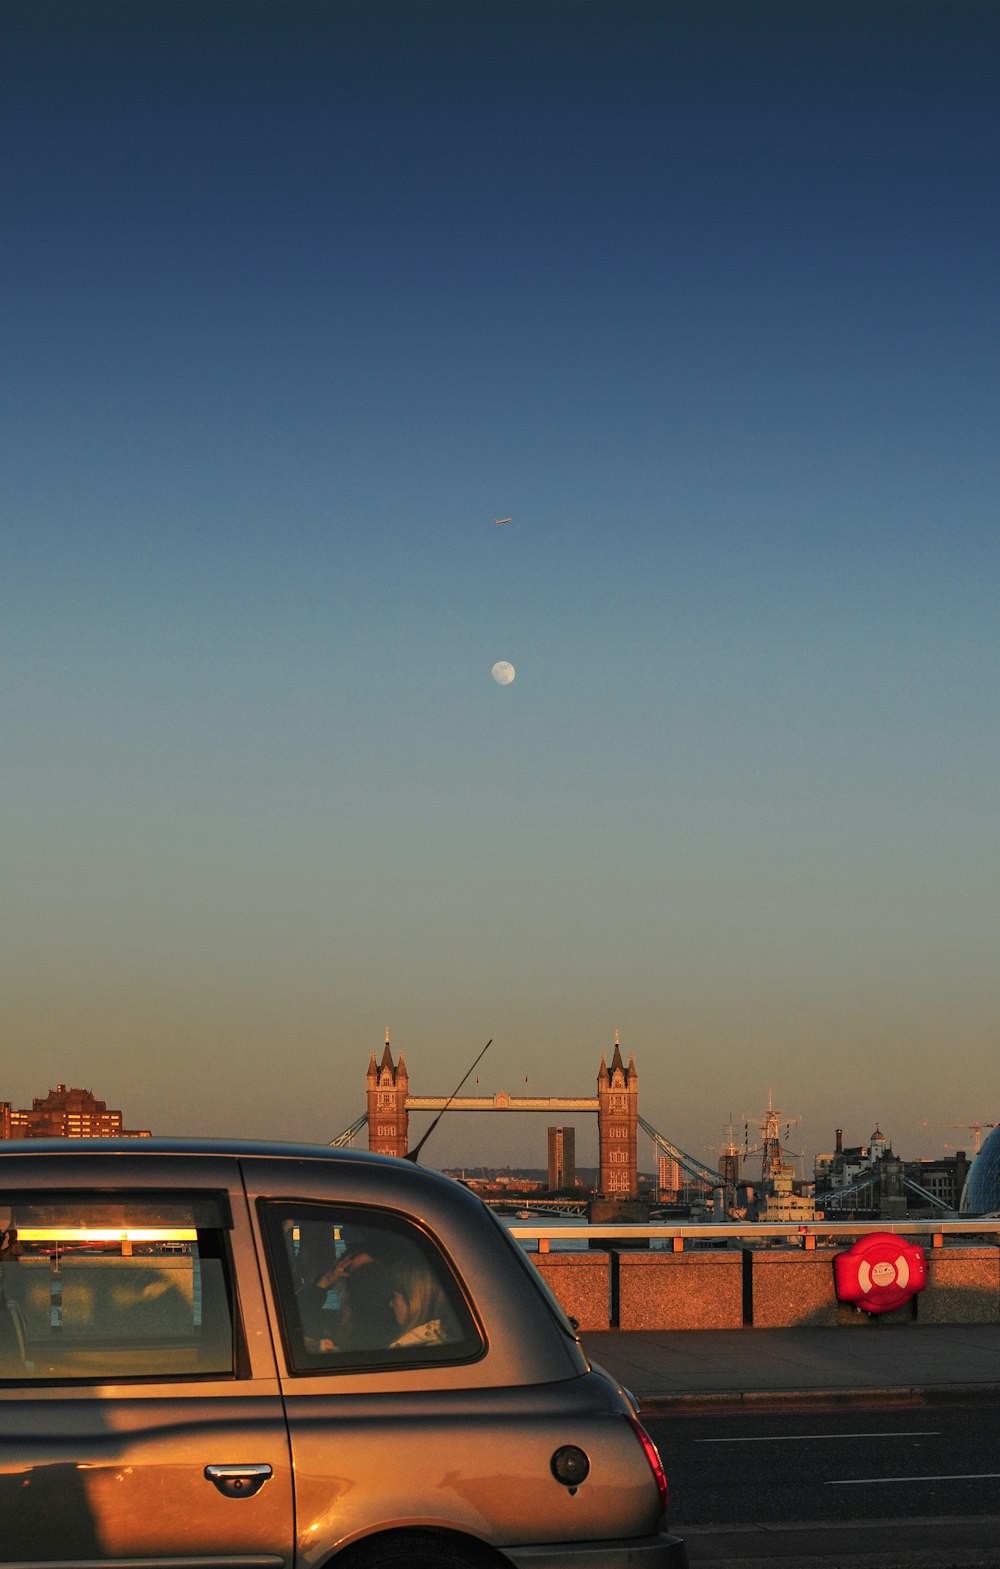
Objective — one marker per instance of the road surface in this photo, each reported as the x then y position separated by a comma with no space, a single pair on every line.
898,1487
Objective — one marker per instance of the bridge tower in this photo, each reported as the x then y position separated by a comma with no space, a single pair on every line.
618,1126
388,1085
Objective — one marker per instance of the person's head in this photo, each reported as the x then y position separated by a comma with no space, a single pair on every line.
417,1297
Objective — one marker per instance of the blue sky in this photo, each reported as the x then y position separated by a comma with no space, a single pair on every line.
296,300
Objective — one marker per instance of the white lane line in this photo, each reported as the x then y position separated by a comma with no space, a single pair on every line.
880,1481
805,1438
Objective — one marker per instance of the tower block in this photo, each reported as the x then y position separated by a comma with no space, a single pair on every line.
618,1127
388,1085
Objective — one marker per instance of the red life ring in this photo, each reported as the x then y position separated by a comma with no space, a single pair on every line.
880,1272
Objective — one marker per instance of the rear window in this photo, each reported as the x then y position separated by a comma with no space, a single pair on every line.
538,1280
360,1287
105,1288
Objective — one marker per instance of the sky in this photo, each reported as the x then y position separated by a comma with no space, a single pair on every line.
296,299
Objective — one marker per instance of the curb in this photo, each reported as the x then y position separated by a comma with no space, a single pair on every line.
661,1404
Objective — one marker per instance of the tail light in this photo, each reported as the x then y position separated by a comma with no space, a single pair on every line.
653,1456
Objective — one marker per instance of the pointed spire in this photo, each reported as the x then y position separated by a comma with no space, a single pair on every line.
616,1061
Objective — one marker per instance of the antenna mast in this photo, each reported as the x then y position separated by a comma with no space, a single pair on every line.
413,1153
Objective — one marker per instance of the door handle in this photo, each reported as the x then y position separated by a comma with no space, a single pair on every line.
238,1481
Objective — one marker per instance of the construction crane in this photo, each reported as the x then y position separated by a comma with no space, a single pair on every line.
973,1127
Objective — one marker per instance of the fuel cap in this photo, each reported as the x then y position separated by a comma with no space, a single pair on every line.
570,1465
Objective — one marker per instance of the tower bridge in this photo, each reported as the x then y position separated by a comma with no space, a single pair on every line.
616,1104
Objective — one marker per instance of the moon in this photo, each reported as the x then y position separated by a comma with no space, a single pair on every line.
503,672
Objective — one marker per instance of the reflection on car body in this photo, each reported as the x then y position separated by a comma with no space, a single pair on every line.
282,1356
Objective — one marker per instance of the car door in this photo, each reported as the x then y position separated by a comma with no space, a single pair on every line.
140,1415
367,1306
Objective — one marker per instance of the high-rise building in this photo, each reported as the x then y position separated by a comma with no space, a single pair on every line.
66,1114
668,1179
562,1158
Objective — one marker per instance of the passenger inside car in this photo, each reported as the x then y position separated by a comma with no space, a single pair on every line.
342,1301
360,1289
419,1305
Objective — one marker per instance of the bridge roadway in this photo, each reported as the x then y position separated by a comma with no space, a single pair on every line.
732,1368
869,1447
865,1487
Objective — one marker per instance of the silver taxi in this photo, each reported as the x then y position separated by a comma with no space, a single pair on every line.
253,1356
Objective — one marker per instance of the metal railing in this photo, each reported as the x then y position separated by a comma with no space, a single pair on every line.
746,1234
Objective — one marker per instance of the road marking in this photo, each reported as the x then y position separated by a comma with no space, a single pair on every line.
805,1438
878,1481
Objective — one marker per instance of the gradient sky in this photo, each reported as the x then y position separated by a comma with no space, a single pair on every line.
296,299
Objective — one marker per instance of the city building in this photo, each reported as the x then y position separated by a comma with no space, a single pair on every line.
668,1179
498,1184
66,1114
942,1179
869,1180
845,1165
562,1159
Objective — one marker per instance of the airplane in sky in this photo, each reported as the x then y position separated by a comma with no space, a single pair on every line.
497,521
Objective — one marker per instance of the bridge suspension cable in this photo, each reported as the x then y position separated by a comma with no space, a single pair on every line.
346,1139
689,1163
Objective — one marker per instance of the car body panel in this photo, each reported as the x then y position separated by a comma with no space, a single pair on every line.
116,1476
479,1464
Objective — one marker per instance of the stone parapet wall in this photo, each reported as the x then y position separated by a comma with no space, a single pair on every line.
697,1290
785,1287
581,1284
963,1286
765,1288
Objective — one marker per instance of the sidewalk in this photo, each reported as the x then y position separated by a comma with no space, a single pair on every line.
668,1368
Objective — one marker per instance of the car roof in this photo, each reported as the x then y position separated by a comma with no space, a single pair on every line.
181,1145
222,1149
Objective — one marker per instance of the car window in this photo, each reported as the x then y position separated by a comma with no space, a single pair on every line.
567,1325
105,1288
359,1287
